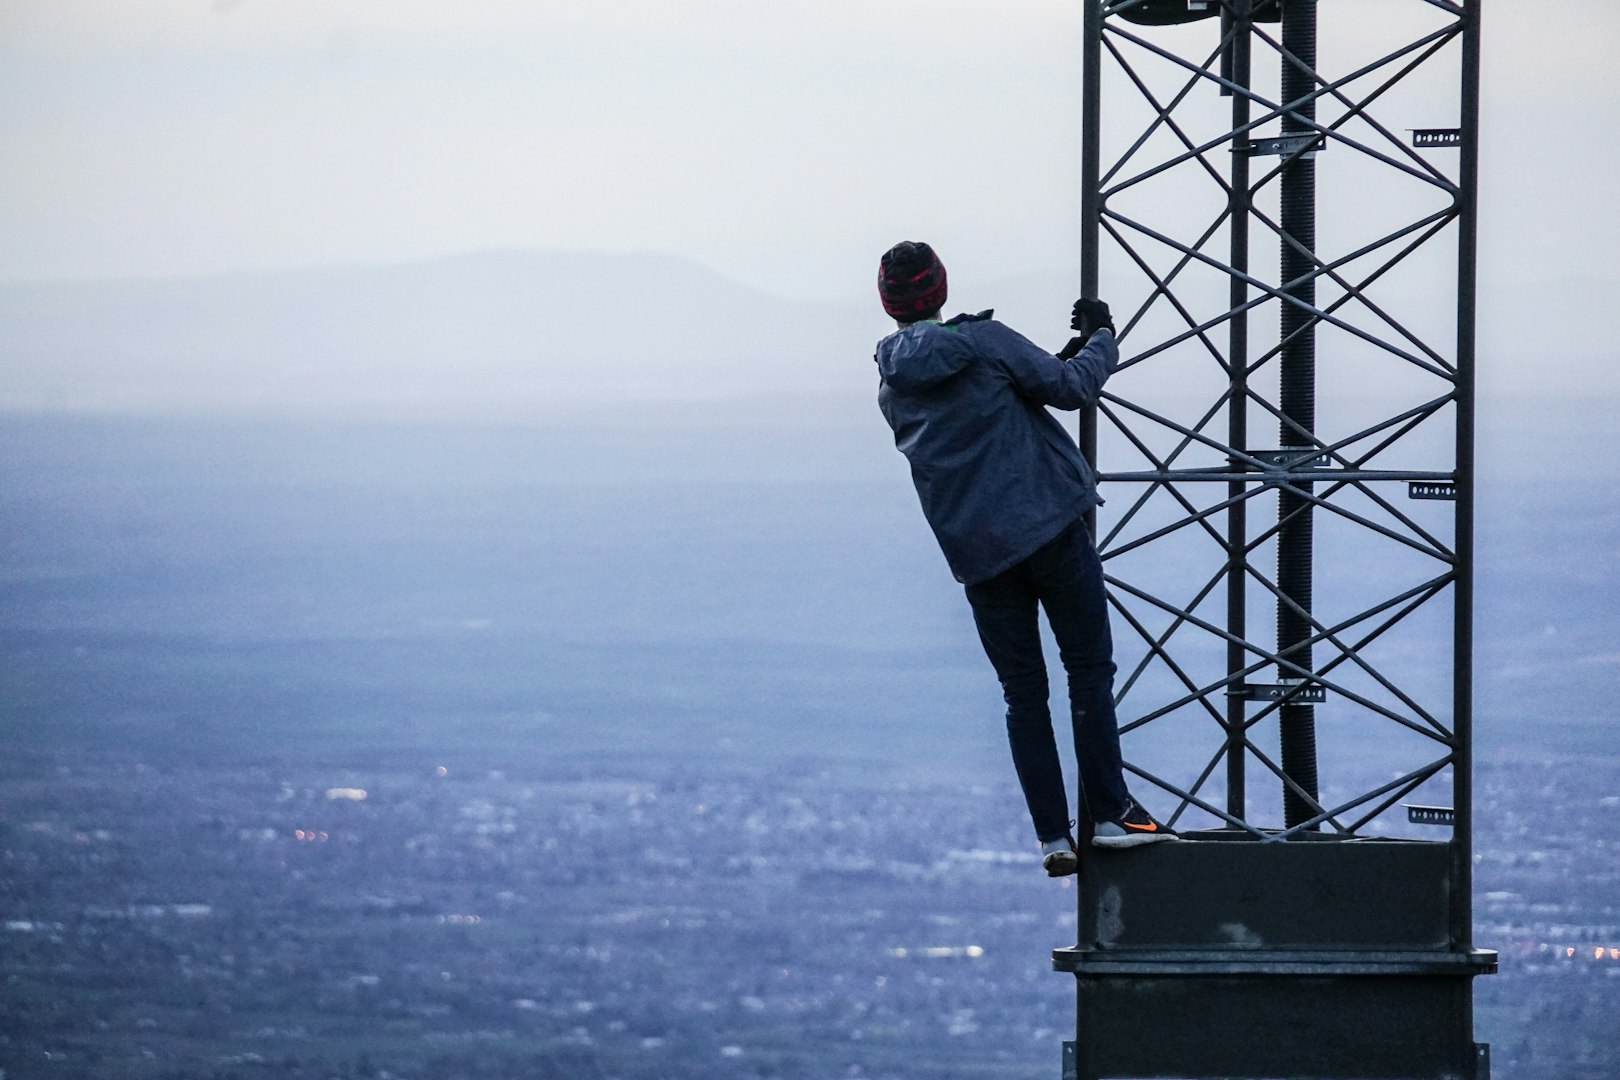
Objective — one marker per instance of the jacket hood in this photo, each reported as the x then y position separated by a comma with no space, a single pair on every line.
925,354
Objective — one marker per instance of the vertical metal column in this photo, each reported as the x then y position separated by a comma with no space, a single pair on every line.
1462,861
1090,202
1298,405
1090,208
1237,65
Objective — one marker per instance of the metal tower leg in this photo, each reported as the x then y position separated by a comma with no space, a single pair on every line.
1298,404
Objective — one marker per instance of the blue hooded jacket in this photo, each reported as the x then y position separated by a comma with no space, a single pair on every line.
997,474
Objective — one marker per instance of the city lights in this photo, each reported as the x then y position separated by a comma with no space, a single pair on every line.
1599,953
939,952
280,919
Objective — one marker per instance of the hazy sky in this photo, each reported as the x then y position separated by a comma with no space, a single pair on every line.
788,139
784,143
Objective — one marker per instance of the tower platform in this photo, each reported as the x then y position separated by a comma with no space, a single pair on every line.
1226,955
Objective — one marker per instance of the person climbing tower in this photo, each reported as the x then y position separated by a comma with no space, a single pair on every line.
1005,490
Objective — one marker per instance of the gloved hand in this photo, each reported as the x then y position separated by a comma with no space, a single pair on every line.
1090,316
1072,349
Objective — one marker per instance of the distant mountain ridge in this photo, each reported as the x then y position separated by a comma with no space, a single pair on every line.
493,332
504,335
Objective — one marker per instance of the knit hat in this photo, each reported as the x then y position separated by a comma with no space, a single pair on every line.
911,281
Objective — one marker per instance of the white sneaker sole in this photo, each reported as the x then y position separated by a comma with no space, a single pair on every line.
1061,864
1130,840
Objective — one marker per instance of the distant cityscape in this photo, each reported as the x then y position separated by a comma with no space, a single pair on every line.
640,921
722,795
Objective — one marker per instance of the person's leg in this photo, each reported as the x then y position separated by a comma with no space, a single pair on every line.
1068,577
1006,612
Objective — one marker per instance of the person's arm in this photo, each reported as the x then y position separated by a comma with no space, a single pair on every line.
1070,383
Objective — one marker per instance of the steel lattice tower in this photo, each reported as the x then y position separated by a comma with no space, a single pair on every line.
1305,927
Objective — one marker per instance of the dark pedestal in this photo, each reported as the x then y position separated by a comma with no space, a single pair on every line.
1322,959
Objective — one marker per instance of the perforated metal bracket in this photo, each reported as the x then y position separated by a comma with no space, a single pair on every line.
1294,454
1309,144
1293,693
1431,489
1430,815
1436,137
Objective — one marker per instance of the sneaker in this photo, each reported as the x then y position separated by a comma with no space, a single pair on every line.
1133,828
1059,858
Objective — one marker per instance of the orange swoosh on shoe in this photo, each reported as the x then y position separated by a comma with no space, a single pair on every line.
1149,827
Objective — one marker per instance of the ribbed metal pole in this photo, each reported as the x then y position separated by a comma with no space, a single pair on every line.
1237,64
1298,405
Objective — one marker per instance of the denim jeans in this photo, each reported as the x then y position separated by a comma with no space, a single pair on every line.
1065,578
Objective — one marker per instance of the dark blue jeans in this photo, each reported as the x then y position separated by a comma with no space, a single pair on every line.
1065,578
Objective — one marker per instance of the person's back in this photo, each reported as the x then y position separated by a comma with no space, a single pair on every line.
997,473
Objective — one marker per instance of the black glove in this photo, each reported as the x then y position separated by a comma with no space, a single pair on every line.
1090,316
1072,349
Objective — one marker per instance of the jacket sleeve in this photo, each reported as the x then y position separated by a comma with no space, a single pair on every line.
1038,375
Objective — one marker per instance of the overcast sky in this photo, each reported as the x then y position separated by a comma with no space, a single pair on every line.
783,143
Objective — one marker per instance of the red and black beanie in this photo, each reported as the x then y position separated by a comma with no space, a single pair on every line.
911,281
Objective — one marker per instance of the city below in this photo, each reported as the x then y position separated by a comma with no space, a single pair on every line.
454,920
